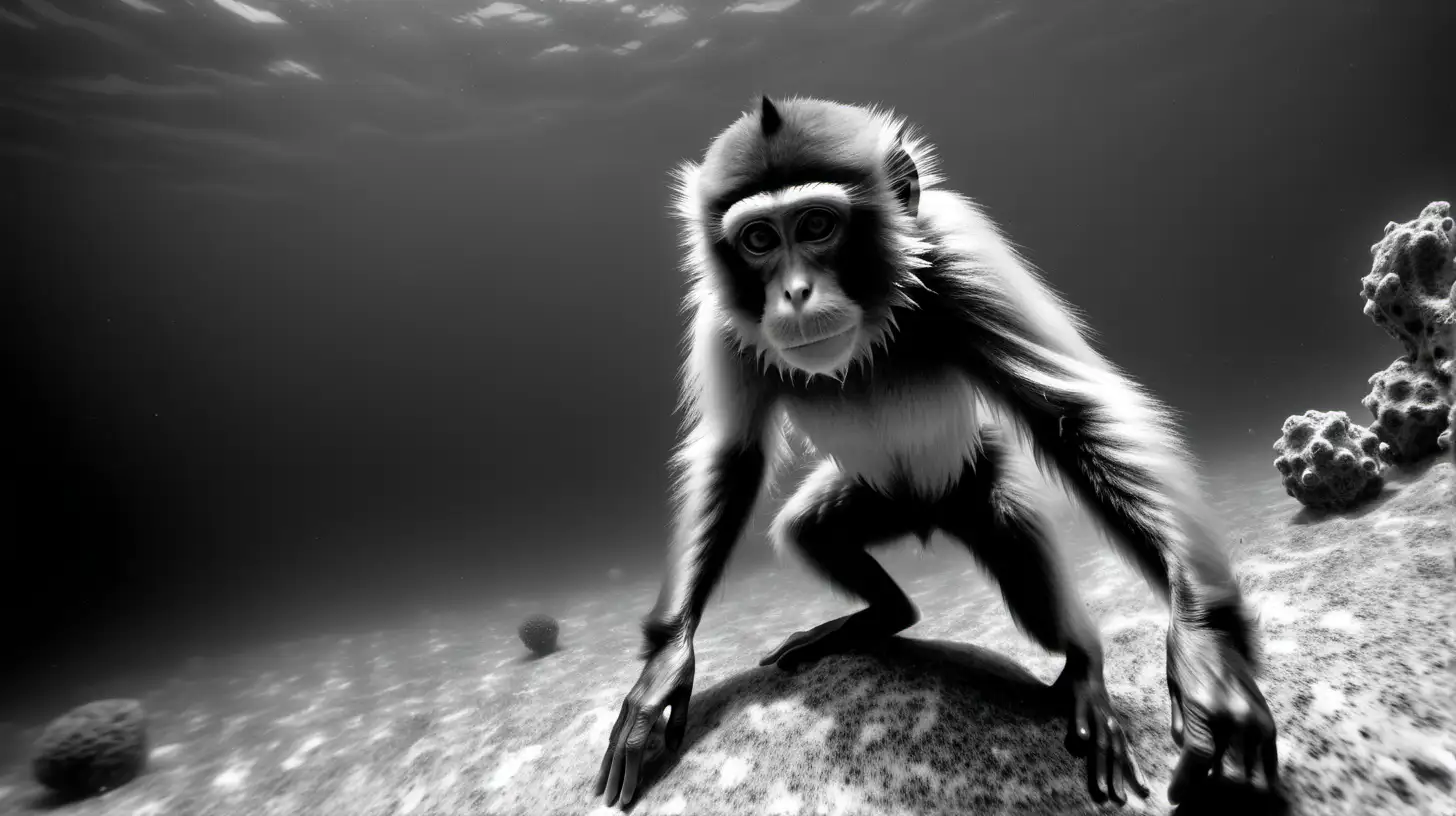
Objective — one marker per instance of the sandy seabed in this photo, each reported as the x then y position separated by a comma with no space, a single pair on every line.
953,717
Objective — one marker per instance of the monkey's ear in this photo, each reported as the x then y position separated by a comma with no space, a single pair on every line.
769,118
904,178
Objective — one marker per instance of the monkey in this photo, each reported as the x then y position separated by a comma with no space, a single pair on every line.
838,295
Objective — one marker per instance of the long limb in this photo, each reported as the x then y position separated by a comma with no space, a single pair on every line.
720,466
830,520
991,514
1118,450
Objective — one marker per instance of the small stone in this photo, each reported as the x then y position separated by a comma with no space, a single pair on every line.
539,633
92,748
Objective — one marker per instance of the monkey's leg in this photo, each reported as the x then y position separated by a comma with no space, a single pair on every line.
831,519
1120,452
990,513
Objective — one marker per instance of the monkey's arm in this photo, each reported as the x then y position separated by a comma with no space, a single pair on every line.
1117,448
720,469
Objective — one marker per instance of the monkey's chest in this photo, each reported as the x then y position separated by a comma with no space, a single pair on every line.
920,434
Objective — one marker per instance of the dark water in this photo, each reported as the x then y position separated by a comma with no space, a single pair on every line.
319,314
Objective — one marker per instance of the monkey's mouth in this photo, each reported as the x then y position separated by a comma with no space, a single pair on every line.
823,354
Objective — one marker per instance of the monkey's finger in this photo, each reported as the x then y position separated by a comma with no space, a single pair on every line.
1177,726
1219,749
619,757
1135,775
1252,740
1116,790
677,722
635,745
1097,765
611,751
632,768
1223,733
1082,717
1117,767
1271,764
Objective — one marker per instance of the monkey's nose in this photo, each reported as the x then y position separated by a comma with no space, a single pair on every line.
798,293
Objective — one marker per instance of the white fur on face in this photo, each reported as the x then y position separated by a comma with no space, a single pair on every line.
787,199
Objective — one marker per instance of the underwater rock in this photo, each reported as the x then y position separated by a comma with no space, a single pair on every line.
1411,404
1409,283
539,633
1444,440
92,748
1329,462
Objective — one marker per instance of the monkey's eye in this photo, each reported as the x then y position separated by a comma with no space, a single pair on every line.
816,225
758,238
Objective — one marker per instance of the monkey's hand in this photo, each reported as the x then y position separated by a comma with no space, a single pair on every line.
1096,732
666,680
1216,705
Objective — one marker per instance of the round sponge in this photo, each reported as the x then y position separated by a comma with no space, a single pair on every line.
1411,404
539,633
1409,283
1329,462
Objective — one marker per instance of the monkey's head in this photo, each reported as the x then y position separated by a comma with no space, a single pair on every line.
801,230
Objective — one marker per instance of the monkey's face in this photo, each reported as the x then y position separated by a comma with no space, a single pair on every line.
801,230
790,240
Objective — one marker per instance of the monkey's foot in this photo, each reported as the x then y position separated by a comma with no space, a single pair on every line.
864,629
1096,733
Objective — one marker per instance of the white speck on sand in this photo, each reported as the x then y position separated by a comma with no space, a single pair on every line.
232,778
298,756
411,800
676,806
164,751
872,732
148,809
1275,608
1281,647
452,717
733,771
819,732
1327,699
1340,619
782,802
777,717
511,764
841,800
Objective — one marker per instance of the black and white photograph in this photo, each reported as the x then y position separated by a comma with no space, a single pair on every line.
764,407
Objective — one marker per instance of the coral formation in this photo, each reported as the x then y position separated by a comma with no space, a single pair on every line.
1407,290
1411,293
1411,404
1329,462
539,633
92,748
1444,440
